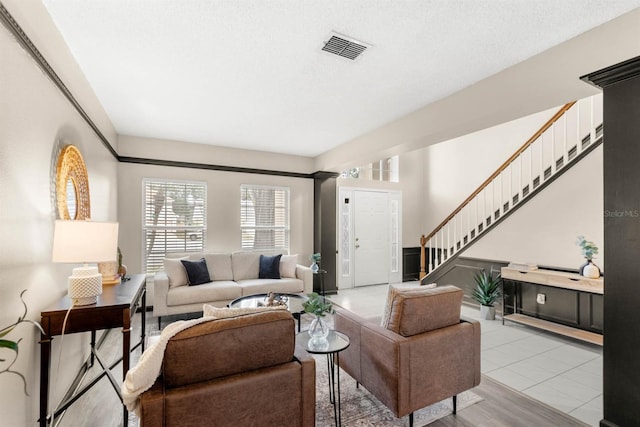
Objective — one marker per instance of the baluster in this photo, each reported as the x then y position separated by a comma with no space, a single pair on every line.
578,136
553,150
565,158
592,117
520,192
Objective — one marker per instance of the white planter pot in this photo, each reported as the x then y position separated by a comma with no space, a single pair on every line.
487,313
591,271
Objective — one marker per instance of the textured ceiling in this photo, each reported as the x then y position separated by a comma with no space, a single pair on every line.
251,73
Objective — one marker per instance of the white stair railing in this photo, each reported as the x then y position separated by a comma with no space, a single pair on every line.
556,144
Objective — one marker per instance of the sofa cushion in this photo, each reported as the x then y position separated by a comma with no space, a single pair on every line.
219,266
413,313
226,312
175,272
262,286
208,292
269,267
197,271
228,346
246,265
288,266
393,291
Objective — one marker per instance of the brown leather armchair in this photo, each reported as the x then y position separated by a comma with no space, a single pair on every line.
425,354
239,371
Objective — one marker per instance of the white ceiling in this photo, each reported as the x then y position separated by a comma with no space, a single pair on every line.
250,73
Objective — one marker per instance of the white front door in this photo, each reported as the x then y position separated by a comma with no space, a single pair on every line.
371,238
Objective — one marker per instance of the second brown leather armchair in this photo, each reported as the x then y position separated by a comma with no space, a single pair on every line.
424,355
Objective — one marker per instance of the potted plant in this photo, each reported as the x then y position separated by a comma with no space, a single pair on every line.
319,306
315,258
13,345
487,293
589,250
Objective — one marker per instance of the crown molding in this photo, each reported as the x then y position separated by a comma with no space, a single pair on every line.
614,74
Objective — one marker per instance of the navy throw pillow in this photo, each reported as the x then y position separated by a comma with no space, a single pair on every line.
269,267
197,271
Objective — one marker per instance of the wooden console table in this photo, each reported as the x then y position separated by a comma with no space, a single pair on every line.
114,309
573,304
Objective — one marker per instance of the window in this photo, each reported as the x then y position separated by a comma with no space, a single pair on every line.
174,219
381,170
264,217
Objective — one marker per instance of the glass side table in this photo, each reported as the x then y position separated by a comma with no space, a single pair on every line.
335,343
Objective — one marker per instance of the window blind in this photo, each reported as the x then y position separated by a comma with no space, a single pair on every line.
264,217
174,219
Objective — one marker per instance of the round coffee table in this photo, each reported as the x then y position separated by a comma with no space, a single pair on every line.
294,303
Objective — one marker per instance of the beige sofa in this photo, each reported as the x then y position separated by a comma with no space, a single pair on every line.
232,275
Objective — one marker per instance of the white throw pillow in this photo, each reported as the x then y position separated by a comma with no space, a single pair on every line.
225,312
393,291
288,266
175,271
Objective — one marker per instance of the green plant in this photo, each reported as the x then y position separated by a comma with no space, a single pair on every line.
315,257
317,304
487,290
13,345
589,249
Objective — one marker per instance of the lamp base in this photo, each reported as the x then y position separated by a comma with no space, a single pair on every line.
85,284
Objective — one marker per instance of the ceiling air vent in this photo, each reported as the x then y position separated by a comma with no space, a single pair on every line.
344,46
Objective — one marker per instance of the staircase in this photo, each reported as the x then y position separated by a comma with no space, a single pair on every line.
568,136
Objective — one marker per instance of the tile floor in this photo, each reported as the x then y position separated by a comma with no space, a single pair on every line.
563,373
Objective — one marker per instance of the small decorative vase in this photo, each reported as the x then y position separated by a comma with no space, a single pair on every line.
581,269
591,271
318,330
314,267
487,312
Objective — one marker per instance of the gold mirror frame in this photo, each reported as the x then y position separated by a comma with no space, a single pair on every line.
71,167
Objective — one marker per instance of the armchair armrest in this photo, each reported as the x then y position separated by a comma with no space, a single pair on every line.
308,365
160,291
151,409
306,275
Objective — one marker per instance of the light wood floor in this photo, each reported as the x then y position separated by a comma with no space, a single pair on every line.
504,407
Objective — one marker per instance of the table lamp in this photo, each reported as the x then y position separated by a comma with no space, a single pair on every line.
85,242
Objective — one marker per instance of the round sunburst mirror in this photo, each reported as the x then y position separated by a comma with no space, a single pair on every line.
72,185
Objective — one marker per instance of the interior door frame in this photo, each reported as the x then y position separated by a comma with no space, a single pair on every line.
345,268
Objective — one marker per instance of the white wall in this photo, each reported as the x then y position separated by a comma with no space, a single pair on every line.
223,208
455,168
34,119
544,231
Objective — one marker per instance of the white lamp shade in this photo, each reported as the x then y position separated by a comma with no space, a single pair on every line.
85,241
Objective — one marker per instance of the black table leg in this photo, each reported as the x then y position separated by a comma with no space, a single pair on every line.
334,395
